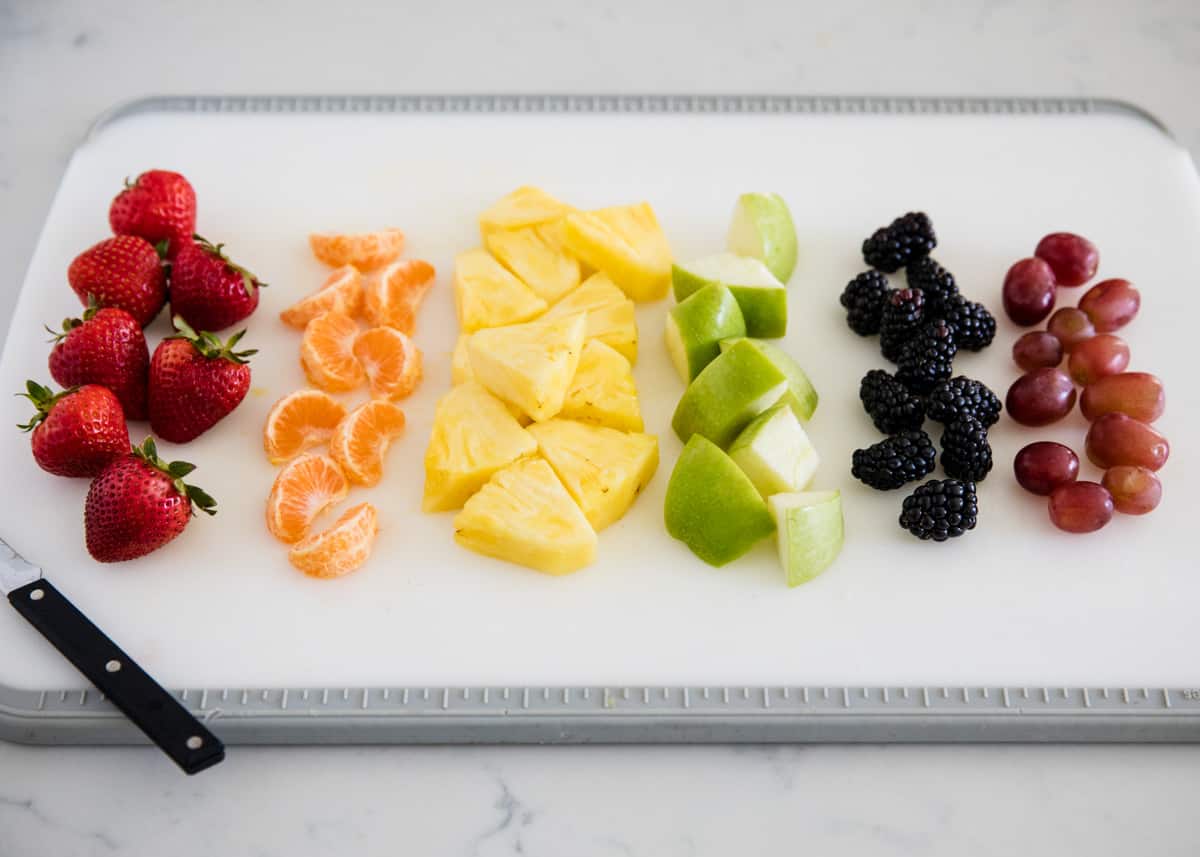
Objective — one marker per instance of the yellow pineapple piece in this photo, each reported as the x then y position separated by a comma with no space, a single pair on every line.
530,365
473,436
611,315
460,362
603,469
603,391
536,258
626,243
524,515
525,206
487,295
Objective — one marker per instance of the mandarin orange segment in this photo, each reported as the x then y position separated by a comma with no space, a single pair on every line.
361,440
341,292
365,250
393,296
340,549
392,361
304,488
299,421
327,353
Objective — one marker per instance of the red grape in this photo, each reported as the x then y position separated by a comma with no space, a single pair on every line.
1111,304
1081,507
1029,289
1136,394
1042,466
1117,439
1040,397
1097,358
1073,258
1070,326
1037,349
1135,490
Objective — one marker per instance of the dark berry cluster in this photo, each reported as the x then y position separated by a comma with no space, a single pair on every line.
892,247
940,509
889,404
896,461
863,298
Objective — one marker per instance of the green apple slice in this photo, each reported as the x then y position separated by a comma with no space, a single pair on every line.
801,394
810,531
761,296
696,327
712,507
762,229
775,452
731,391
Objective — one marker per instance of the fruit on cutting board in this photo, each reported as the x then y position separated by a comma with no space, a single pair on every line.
391,361
603,390
486,294
800,395
525,206
1136,394
731,391
303,489
105,347
341,292
327,353
809,531
697,324
524,515
762,297
762,228
1134,490
712,506
1037,349
1115,439
460,361
1098,358
1071,327
1040,397
775,452
342,548
76,432
300,421
361,440
530,365
611,318
1111,304
473,437
536,256
138,503
365,250
1080,507
392,297
627,244
1029,291
208,290
602,469
158,206
124,272
1042,466
196,380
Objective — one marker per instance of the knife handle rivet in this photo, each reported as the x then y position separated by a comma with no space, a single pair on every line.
195,742
113,666
37,595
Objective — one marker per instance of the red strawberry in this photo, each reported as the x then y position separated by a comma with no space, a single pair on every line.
195,381
209,291
107,347
138,503
122,272
76,432
159,206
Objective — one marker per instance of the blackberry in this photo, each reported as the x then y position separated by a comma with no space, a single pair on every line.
974,327
940,509
889,404
906,238
863,298
935,281
963,397
902,315
966,453
927,358
902,458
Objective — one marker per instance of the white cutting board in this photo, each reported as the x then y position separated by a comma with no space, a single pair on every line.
1015,601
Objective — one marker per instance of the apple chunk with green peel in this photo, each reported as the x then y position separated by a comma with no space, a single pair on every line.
809,530
761,296
775,452
801,394
731,391
712,506
762,228
696,327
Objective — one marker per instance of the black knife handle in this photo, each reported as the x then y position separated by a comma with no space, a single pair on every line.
143,700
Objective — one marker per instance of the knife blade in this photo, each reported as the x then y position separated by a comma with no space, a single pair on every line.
138,696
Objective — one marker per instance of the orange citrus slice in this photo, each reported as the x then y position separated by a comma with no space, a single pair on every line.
304,488
361,440
341,292
327,353
340,549
391,360
365,250
299,421
393,297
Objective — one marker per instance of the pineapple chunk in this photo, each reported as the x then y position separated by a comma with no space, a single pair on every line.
473,436
460,362
487,295
604,469
530,365
603,391
525,206
533,255
627,244
611,315
523,515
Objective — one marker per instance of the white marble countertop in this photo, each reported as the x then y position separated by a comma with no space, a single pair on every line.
62,63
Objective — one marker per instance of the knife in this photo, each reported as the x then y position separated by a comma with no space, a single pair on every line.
139,697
